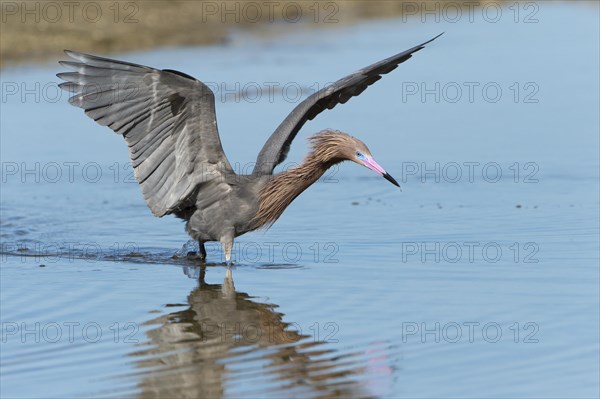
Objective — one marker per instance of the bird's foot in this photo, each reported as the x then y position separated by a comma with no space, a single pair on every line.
195,256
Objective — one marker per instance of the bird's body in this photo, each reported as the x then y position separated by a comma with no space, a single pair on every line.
250,202
168,120
230,216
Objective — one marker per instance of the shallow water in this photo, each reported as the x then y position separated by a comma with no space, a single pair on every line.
465,285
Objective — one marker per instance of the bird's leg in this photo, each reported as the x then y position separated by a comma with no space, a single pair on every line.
200,255
202,250
227,243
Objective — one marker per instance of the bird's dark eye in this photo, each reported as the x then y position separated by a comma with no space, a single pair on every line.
358,154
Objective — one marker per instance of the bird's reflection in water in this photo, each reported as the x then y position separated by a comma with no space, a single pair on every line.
227,344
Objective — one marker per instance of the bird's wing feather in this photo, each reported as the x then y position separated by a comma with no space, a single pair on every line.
277,146
167,119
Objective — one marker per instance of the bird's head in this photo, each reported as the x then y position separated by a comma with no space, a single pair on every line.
334,146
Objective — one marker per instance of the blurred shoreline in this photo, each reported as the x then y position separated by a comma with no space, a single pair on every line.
37,31
33,31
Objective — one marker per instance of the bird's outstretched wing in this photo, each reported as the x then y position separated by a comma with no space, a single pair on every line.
277,146
167,119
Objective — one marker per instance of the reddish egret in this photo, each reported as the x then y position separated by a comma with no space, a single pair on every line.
168,120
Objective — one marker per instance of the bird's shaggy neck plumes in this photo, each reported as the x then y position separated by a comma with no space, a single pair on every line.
284,187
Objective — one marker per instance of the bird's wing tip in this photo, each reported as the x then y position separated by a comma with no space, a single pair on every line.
79,56
73,55
430,40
